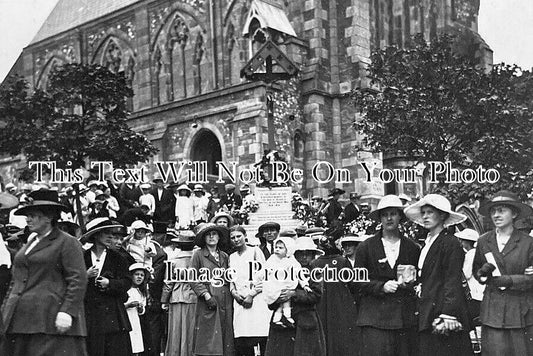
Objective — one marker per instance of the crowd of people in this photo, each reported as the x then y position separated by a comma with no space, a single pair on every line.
103,289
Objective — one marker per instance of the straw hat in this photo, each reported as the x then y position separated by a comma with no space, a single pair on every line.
182,237
468,234
139,224
8,201
388,201
354,238
222,214
96,225
505,197
204,228
198,188
306,243
414,213
139,265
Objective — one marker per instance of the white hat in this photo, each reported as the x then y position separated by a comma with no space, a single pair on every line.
414,213
305,243
139,265
388,201
468,234
145,186
405,197
289,243
198,188
10,186
354,238
139,224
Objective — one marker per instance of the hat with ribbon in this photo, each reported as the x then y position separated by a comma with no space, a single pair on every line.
140,225
414,212
354,238
198,188
97,225
182,237
505,197
42,199
388,201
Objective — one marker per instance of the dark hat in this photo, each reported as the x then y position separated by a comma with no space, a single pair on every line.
336,191
204,228
96,225
44,200
300,230
245,188
288,233
266,225
505,197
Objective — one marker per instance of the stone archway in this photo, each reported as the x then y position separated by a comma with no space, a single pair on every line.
206,147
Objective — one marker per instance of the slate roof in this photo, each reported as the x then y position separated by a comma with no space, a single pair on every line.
68,14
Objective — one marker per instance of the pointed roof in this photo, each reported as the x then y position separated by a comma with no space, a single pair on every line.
68,14
269,64
269,15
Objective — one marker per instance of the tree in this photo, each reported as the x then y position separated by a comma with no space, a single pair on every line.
432,104
81,115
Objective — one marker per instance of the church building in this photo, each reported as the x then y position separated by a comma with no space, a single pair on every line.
225,80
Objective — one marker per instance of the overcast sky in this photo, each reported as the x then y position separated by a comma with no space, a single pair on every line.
506,25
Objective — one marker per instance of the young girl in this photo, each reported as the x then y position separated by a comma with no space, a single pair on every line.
280,262
139,245
135,306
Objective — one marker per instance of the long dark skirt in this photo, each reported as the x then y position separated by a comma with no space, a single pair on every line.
508,342
382,342
42,345
455,344
116,344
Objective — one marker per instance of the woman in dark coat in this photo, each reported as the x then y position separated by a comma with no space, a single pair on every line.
108,325
443,320
43,314
504,260
307,338
337,309
387,310
213,332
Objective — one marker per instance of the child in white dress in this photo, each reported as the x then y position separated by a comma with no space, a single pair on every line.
282,273
139,243
136,304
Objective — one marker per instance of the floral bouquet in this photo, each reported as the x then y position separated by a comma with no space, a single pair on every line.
361,226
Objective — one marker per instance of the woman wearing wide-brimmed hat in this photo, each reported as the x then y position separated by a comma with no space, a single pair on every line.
443,320
307,338
108,325
213,333
504,261
43,313
387,303
179,298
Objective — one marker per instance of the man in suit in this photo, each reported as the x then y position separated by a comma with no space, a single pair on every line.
165,202
267,233
230,200
108,325
351,210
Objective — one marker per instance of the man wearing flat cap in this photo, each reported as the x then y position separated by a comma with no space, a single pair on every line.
231,200
267,233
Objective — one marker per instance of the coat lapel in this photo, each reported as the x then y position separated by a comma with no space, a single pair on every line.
512,243
432,253
45,242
